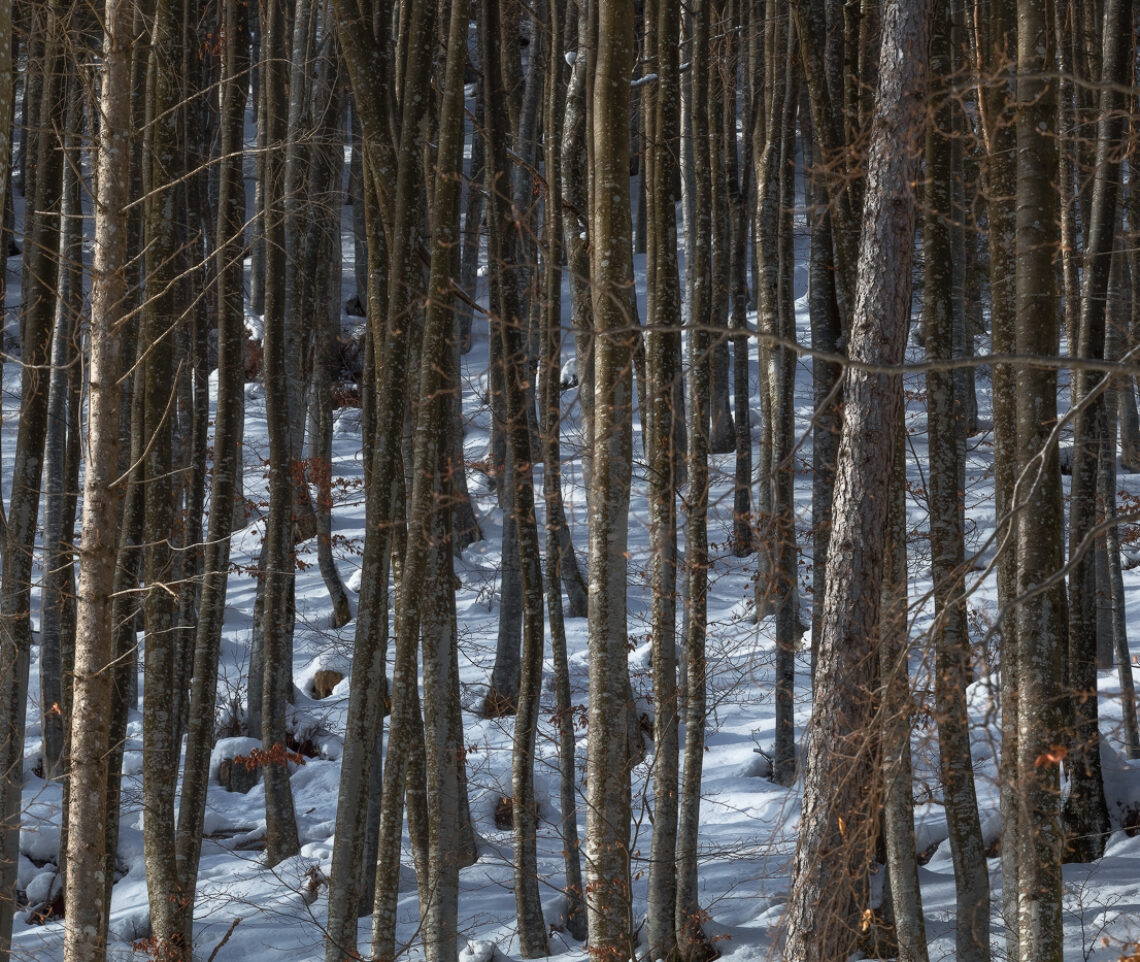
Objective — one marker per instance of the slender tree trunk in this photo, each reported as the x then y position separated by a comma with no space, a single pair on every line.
39,290
576,174
946,426
57,540
229,251
1115,337
1085,813
740,176
86,894
322,248
663,365
996,51
611,274
1040,617
277,678
551,411
691,945
897,771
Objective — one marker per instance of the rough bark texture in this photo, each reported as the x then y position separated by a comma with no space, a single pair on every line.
838,827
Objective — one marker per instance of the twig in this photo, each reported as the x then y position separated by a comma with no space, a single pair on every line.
225,939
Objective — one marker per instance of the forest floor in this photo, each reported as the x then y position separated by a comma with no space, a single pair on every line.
748,824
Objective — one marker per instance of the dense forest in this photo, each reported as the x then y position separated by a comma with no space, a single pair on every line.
522,478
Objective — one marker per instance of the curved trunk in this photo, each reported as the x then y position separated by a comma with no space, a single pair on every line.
838,827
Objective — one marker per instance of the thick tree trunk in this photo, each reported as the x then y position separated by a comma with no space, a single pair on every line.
838,828
160,741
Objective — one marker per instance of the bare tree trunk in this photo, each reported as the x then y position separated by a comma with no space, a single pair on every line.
86,894
160,741
897,771
323,249
691,945
1040,616
1085,814
39,289
740,177
611,275
663,365
946,421
550,409
229,251
838,827
54,698
356,850
576,174
995,53
1115,337
277,679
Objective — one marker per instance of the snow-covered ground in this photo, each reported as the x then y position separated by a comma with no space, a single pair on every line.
748,824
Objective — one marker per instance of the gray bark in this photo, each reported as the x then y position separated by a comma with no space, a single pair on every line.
611,275
229,250
85,937
838,825
897,772
277,677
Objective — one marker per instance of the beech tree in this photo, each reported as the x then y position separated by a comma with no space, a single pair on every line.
611,275
87,892
759,119
837,828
